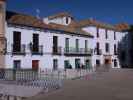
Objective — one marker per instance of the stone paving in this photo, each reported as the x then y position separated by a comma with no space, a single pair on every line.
18,90
28,89
114,85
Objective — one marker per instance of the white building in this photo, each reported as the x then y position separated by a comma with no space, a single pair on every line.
107,38
45,46
57,42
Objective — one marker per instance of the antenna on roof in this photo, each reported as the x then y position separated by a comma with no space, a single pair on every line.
38,13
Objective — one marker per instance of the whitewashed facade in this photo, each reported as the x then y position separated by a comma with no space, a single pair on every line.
47,59
103,36
46,40
30,44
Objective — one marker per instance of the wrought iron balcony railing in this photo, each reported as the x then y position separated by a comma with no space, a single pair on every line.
18,49
78,51
57,50
98,51
36,50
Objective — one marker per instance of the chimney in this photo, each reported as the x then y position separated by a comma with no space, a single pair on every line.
2,32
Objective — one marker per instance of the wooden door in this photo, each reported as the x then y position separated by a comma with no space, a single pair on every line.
35,64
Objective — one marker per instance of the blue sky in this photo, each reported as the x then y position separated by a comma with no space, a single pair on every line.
110,11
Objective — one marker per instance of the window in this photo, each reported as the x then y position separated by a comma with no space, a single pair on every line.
67,20
86,45
35,64
67,64
97,62
107,47
67,44
114,35
98,45
115,63
55,44
98,48
17,64
77,63
55,64
16,41
115,49
106,34
77,45
97,32
35,47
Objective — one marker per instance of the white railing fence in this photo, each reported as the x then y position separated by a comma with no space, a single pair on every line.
63,73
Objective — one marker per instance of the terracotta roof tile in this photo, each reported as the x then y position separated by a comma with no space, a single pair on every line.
21,19
78,31
122,26
96,23
31,21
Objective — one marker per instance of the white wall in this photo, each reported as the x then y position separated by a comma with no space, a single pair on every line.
59,20
102,40
45,39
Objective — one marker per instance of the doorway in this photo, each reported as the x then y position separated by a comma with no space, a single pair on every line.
55,64
35,64
115,63
98,63
77,63
17,64
87,64
107,62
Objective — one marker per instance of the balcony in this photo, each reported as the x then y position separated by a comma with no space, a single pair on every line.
36,50
98,51
57,50
77,52
18,49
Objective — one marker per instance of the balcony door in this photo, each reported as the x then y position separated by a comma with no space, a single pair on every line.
55,43
16,41
67,44
35,47
77,45
107,48
86,45
55,64
77,63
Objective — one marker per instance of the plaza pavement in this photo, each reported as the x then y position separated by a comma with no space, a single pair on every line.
114,85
